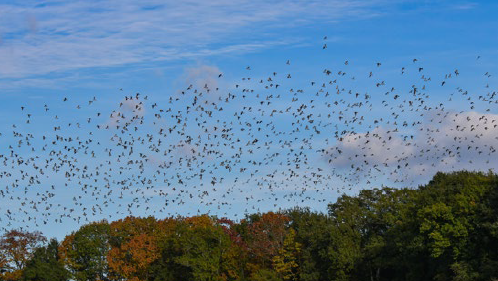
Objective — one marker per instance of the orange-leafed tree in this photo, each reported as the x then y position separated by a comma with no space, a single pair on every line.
134,247
16,248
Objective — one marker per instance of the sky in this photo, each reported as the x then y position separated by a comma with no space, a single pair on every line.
96,54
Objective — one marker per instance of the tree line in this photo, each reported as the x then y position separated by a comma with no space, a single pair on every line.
444,230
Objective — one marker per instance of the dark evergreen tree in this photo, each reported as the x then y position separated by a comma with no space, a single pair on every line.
45,265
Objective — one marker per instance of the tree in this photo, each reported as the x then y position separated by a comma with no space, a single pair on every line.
313,232
286,262
16,248
207,249
445,230
85,252
166,267
264,238
365,230
453,216
134,247
265,275
45,265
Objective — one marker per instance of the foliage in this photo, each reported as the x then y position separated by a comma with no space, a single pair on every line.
265,237
286,262
445,230
133,247
265,275
85,251
206,249
16,249
45,265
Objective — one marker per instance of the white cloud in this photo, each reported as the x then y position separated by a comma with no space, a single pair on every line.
444,142
130,110
55,36
203,77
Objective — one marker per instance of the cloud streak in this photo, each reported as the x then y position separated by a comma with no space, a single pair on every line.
56,36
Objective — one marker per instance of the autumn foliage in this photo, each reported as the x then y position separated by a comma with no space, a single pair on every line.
16,248
446,230
134,246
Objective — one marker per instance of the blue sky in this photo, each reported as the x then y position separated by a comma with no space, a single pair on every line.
107,49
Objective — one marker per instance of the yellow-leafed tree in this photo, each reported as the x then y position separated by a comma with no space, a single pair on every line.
286,262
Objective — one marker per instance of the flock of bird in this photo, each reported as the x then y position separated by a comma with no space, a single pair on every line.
258,141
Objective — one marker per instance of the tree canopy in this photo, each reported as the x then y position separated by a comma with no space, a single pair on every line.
444,230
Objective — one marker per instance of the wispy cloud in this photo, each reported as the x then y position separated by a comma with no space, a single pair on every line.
465,6
38,38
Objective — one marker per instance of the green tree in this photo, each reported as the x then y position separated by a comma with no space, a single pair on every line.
265,275
453,217
313,233
45,265
206,249
363,245
166,267
85,252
